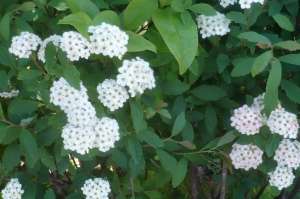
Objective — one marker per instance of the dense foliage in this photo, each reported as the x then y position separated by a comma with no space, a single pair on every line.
149,99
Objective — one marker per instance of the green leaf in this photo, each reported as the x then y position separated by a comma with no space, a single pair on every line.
135,14
49,194
47,136
210,119
165,2
222,61
72,75
291,59
106,16
1,110
174,87
79,179
25,73
138,43
185,17
27,6
272,144
11,157
137,115
167,161
30,190
136,168
164,112
58,5
203,8
50,53
275,7
6,58
254,37
85,6
152,194
289,45
253,13
10,134
76,195
182,40
261,62
271,94
180,172
237,17
292,90
283,22
259,141
178,124
151,138
46,158
80,21
135,149
29,148
227,138
119,158
177,6
208,92
5,26
22,106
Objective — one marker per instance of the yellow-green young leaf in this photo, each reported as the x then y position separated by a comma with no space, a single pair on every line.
178,124
254,37
58,5
203,8
261,62
291,59
135,148
151,138
135,14
11,157
29,147
182,40
185,17
106,16
271,94
80,21
71,74
180,172
208,92
289,45
177,5
165,2
283,22
138,43
237,17
46,158
5,26
85,6
166,160
210,119
291,90
27,6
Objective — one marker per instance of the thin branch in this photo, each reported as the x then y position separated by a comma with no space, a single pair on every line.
132,187
41,69
75,164
193,180
154,163
223,187
261,191
295,190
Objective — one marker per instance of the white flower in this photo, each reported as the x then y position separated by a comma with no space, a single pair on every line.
225,3
13,190
247,3
96,189
12,93
282,177
288,154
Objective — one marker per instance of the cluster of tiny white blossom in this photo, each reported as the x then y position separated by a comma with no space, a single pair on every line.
12,92
108,40
288,154
75,45
282,177
23,45
137,75
111,94
246,120
107,132
96,189
245,156
13,190
226,3
213,25
247,3
55,39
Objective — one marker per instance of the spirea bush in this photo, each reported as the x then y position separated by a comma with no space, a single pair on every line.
149,99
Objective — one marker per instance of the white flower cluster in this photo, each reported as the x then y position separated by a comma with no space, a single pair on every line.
55,39
111,94
108,40
246,156
96,189
137,75
243,3
23,45
246,120
75,45
84,130
11,93
282,177
213,25
288,153
226,3
13,190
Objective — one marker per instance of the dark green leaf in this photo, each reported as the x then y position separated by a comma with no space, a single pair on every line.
30,190
222,61
253,13
10,134
85,6
188,132
29,147
47,136
72,75
167,161
237,17
22,106
50,53
11,157
1,111
283,22
107,16
203,8
180,172
46,158
261,62
49,194
120,158
242,66
135,149
27,6
291,59
178,124
210,119
254,37
291,90
227,138
208,92
137,115
6,58
136,168
28,73
272,144
79,179
260,142
275,7
138,43
174,87
5,26
151,138
289,45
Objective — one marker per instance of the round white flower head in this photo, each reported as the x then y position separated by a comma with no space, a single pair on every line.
282,177
75,45
12,92
13,190
246,120
111,94
137,75
284,123
23,45
247,3
55,39
108,40
225,3
77,138
288,154
245,156
96,189
107,132
213,25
